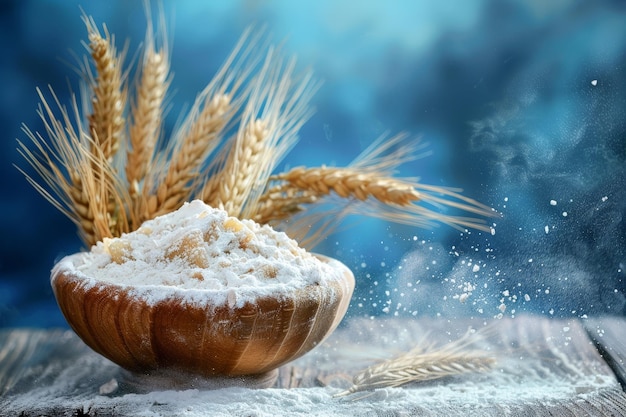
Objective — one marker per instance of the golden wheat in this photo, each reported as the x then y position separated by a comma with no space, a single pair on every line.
275,110
425,363
109,166
349,182
280,202
67,168
106,123
147,113
109,97
184,164
187,159
365,187
241,168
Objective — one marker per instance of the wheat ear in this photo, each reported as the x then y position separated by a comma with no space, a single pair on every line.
188,158
241,168
147,110
276,108
367,188
351,183
283,201
423,364
106,121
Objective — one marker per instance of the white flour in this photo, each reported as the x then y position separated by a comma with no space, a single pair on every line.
201,248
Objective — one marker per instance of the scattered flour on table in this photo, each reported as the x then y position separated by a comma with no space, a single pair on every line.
467,398
200,247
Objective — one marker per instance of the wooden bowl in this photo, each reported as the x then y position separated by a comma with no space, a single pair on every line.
187,332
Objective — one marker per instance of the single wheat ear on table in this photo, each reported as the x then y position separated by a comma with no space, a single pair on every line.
426,362
107,163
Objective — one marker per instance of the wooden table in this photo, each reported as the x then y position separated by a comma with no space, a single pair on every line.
543,367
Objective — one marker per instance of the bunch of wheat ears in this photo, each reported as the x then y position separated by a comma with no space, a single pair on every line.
106,163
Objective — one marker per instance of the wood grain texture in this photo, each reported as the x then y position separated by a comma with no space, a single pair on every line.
53,372
206,338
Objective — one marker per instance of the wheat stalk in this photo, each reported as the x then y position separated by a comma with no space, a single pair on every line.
106,121
147,112
183,164
275,110
109,96
242,168
224,152
423,364
367,187
187,159
350,183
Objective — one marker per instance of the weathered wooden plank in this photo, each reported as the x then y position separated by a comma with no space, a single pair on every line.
544,367
38,357
609,334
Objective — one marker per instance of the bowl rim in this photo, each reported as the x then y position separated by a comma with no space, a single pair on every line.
153,294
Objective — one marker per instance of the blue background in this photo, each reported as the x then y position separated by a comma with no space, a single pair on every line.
501,91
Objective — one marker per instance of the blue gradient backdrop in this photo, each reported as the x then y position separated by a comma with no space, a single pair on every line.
522,104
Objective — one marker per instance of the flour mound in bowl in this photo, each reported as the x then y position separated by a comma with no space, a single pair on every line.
200,247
